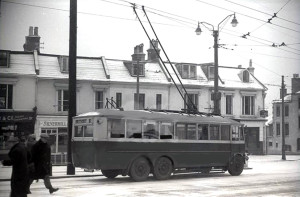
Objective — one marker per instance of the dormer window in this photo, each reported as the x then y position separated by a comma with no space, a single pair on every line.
245,76
64,64
187,71
4,57
211,73
138,70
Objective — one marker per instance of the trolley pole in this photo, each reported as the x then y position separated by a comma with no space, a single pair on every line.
282,118
72,80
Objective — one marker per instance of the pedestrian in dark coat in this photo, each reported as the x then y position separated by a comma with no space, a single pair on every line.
19,178
41,157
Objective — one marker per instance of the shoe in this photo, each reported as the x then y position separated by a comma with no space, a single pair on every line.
53,190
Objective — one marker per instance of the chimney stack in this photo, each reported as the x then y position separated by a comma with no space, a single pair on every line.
32,41
152,55
295,83
138,55
251,68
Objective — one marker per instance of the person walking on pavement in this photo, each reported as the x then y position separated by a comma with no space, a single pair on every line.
18,155
41,157
31,169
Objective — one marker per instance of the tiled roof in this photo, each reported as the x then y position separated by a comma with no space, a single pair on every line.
19,64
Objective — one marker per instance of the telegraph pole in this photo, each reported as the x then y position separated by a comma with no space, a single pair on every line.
216,73
282,118
138,85
72,80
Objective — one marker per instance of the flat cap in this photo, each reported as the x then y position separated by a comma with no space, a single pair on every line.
44,135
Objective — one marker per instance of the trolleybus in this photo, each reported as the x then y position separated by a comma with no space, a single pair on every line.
140,142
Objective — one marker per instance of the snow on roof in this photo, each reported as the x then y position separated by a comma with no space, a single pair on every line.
19,64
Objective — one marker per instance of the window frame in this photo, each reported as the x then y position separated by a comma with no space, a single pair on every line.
7,99
158,101
278,129
141,69
194,97
62,107
64,64
4,59
248,106
99,102
228,109
141,104
286,110
246,76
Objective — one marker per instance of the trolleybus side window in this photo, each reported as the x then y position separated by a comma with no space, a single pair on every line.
235,133
241,131
214,132
83,131
202,132
116,128
185,131
134,129
150,130
166,130
225,132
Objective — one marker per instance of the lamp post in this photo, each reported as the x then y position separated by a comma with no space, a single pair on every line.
216,94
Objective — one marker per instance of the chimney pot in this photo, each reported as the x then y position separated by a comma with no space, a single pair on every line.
30,31
36,31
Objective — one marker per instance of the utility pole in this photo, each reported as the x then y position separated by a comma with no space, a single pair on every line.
72,80
138,84
216,73
282,118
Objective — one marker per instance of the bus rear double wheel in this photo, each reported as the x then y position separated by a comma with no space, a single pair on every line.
140,169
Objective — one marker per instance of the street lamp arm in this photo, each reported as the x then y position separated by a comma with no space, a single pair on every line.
205,23
224,20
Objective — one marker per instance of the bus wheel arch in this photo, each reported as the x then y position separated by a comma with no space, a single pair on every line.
236,165
140,168
163,168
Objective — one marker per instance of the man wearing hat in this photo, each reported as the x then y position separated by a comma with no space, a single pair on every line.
41,157
18,159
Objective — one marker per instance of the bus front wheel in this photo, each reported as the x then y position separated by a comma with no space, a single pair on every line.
236,165
163,168
140,169
110,173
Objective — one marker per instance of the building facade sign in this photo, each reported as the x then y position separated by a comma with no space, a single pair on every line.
17,116
56,124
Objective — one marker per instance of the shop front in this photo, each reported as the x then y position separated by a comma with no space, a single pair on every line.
14,124
57,129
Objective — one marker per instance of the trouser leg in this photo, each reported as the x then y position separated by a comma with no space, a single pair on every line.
47,182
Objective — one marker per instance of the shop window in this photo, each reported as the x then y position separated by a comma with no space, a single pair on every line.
99,103
63,100
6,96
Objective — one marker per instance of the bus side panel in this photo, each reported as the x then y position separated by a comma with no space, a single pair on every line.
83,154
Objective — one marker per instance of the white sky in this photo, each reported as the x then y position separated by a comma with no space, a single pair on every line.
110,28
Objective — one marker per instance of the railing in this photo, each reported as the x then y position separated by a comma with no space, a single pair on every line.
59,158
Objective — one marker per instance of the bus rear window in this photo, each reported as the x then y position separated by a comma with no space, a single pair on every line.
83,131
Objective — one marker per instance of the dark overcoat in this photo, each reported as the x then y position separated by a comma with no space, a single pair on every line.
18,159
41,157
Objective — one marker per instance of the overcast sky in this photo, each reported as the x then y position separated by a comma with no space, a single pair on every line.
110,28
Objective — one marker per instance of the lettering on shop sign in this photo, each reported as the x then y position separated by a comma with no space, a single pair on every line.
16,117
53,123
83,121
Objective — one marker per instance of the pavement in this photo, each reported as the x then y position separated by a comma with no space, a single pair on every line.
61,171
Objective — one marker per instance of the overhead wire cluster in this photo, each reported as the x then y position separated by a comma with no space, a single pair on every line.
190,23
